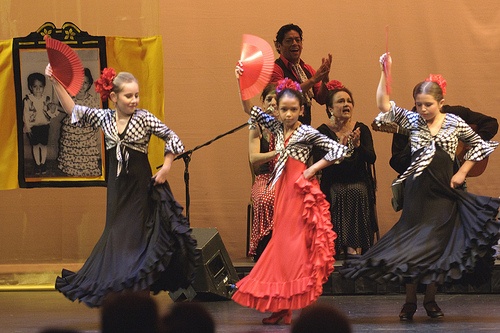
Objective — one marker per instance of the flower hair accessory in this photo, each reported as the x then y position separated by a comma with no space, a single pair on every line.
104,85
439,79
334,84
287,83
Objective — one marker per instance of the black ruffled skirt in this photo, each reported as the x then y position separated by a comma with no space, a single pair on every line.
146,243
444,235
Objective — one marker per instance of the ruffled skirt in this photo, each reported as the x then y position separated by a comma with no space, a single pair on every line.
299,258
146,243
443,235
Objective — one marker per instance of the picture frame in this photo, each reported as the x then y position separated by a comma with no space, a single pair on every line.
52,151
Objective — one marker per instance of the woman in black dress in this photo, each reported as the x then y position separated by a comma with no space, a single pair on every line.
146,244
349,186
444,233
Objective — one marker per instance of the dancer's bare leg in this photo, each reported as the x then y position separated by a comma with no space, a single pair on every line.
411,293
430,293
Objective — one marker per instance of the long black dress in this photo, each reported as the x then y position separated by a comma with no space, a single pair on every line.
349,187
443,234
146,242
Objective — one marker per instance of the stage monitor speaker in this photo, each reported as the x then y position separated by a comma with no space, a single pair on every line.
215,276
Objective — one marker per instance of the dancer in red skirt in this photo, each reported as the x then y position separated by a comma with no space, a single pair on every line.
299,258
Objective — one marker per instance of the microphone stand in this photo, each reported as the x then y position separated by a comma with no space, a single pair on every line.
186,156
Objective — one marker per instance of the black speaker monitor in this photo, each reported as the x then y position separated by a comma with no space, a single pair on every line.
215,276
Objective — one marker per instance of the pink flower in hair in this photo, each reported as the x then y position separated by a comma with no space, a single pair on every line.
104,85
334,84
287,83
439,79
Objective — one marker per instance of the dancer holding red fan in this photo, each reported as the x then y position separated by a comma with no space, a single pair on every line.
444,233
299,258
146,243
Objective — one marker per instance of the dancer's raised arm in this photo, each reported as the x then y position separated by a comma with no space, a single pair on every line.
66,101
383,100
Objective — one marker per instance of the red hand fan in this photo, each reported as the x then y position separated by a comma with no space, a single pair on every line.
387,70
257,58
66,66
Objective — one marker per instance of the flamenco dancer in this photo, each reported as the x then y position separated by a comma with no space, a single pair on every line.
299,258
444,233
146,244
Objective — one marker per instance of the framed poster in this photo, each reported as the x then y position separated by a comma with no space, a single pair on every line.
53,152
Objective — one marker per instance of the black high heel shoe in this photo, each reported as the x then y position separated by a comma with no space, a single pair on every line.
407,311
433,309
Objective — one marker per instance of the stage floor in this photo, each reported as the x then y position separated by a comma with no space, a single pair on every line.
30,311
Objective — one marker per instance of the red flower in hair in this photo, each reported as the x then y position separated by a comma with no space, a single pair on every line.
104,85
439,79
287,83
334,84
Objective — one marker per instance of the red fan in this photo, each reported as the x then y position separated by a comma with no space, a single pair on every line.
257,58
67,67
387,71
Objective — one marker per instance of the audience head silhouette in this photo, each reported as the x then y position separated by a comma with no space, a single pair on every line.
321,318
187,317
129,312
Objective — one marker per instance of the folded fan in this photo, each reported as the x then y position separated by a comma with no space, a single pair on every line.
257,58
66,66
387,71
